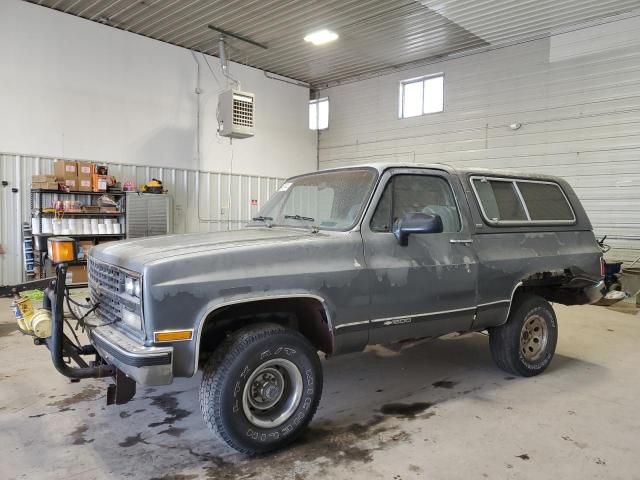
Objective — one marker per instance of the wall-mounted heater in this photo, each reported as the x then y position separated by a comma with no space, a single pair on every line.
236,111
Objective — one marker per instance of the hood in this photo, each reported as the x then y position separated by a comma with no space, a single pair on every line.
134,254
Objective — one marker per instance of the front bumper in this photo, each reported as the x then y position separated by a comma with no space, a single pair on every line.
146,365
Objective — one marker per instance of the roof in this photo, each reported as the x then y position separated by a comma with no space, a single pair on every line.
382,166
375,35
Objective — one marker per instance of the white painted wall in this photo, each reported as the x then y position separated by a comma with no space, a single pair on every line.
77,89
577,96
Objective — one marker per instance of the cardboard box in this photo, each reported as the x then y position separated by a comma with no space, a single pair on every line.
72,183
77,274
109,210
99,183
64,169
84,184
43,178
45,185
86,170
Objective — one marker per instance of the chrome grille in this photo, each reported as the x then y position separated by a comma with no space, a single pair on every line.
104,289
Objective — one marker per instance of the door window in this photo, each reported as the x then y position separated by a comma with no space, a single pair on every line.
416,193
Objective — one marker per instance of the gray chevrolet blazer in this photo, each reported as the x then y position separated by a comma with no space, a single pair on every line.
337,260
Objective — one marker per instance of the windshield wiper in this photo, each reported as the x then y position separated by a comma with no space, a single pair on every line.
300,217
261,218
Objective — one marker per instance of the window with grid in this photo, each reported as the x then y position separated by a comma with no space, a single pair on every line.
419,96
513,201
319,114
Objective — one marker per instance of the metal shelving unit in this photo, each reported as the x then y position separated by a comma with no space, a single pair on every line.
39,195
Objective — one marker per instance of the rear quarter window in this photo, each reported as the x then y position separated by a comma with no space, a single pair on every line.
499,200
545,201
519,201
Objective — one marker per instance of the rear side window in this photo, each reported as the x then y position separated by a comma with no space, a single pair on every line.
499,200
545,201
510,201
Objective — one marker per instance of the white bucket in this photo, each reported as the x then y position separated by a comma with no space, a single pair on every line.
47,226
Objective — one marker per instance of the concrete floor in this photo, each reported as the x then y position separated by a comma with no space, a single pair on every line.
440,409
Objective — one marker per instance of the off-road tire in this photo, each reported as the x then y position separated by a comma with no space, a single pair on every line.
505,340
230,368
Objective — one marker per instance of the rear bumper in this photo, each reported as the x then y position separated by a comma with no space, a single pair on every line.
145,365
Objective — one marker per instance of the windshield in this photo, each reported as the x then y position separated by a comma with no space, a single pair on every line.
326,200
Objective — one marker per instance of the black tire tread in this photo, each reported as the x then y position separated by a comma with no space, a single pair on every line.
217,368
504,350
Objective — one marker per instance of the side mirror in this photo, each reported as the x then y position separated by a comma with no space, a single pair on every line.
417,222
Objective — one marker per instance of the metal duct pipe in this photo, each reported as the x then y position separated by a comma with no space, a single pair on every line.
223,55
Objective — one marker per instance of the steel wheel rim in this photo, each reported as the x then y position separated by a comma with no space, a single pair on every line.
533,338
272,393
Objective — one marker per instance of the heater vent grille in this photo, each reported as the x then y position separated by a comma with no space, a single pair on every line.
243,111
236,114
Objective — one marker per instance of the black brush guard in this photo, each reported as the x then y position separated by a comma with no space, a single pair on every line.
61,346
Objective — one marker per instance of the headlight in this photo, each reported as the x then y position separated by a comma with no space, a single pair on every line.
132,286
131,318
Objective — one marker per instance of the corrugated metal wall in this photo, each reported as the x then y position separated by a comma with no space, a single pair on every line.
202,201
577,96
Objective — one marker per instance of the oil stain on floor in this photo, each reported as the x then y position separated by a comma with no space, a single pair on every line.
168,403
405,410
78,435
88,393
315,453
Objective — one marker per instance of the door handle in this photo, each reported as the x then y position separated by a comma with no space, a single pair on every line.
463,241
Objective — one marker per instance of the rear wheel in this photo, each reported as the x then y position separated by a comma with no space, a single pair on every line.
261,388
526,343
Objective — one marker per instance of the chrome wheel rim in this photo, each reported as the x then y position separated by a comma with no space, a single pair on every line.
533,338
272,393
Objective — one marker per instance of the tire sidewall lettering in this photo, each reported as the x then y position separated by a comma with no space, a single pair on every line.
261,435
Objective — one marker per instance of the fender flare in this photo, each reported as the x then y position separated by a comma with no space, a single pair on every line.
513,293
240,301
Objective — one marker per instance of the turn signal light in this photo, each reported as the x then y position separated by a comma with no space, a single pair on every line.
62,249
173,335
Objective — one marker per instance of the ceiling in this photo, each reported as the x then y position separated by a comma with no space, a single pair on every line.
375,35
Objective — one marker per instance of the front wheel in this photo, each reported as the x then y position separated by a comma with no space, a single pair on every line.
525,344
261,388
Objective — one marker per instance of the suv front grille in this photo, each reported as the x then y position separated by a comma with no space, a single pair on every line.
105,283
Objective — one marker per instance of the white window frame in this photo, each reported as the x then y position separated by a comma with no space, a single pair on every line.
528,221
422,79
317,102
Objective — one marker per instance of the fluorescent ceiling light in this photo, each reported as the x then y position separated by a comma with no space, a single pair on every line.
321,37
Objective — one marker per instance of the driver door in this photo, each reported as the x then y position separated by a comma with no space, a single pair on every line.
428,287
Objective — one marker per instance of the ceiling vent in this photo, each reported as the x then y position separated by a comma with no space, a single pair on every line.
236,111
